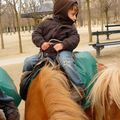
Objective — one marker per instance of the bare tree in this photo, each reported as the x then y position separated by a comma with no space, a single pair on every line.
32,6
98,11
115,9
24,7
1,28
13,5
1,33
89,20
80,18
101,13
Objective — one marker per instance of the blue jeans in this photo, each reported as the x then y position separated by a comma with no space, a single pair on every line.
65,58
30,62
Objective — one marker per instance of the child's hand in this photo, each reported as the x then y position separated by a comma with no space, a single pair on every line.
45,45
58,47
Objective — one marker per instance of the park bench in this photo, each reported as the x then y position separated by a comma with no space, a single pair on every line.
100,45
111,26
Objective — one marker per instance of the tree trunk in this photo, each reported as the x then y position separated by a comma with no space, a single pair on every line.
107,18
18,29
80,18
14,26
1,31
107,22
101,14
1,35
29,25
89,20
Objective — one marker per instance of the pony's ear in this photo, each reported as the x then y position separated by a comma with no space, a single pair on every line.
100,67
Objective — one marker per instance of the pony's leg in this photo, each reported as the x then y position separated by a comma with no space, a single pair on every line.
2,115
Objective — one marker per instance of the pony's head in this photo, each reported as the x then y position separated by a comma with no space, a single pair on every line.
49,98
105,94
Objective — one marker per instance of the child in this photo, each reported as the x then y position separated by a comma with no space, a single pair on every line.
62,28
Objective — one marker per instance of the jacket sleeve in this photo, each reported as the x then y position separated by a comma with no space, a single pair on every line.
37,35
71,42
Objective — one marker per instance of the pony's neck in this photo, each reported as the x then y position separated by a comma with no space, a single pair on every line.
34,103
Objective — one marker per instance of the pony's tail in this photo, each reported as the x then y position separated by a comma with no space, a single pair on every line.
56,97
107,86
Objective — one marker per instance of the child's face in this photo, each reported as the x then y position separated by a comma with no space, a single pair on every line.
72,14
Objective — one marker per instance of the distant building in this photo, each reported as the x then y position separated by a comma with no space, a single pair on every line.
45,7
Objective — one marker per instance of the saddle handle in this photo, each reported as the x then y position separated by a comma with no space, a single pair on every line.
52,42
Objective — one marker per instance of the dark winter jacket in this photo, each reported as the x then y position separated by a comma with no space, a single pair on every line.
59,27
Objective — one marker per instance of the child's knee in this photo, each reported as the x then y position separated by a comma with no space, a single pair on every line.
66,63
27,61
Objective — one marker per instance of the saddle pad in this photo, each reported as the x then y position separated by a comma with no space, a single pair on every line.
7,85
86,64
26,81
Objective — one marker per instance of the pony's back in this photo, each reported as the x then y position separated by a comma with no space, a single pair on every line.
49,98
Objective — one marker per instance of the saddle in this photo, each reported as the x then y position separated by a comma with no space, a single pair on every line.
27,79
76,93
86,64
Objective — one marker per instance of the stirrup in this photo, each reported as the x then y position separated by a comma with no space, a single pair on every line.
79,91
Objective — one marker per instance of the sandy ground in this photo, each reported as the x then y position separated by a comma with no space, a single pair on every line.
12,61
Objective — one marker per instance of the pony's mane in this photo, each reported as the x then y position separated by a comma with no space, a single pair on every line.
107,86
56,97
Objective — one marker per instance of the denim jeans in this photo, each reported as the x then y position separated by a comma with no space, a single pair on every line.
30,62
65,58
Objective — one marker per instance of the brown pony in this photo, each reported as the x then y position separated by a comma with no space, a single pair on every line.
105,94
49,98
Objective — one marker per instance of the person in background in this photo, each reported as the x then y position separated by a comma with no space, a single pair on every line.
8,107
